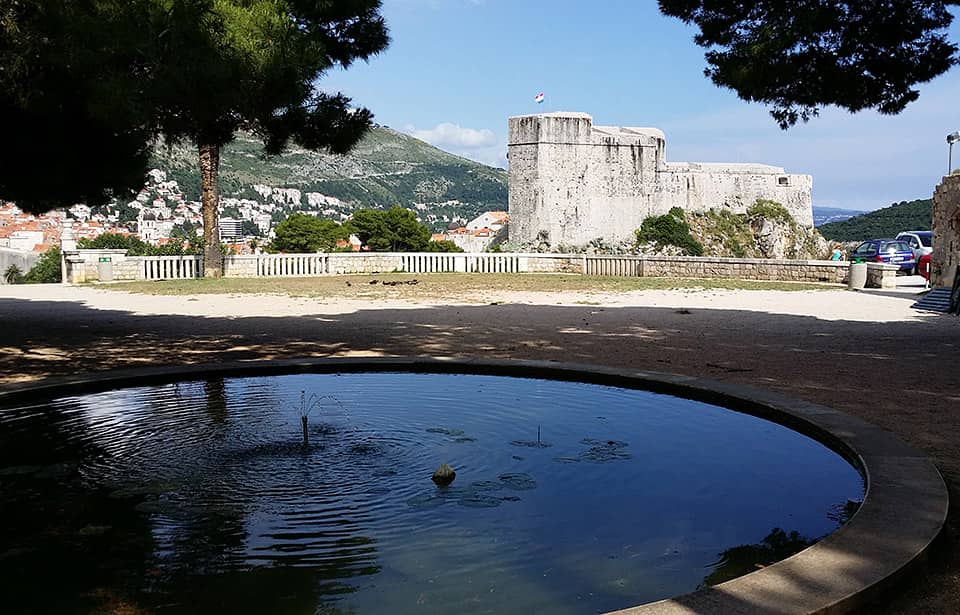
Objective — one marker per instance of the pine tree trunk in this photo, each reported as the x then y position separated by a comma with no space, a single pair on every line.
210,198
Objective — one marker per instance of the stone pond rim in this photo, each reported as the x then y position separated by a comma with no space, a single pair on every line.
904,508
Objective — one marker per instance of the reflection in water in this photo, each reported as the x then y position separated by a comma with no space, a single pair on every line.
775,546
738,561
215,390
203,497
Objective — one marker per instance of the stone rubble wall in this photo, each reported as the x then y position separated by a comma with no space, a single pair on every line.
831,272
341,264
239,267
880,275
571,182
946,232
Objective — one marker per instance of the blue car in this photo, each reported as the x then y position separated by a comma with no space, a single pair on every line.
890,251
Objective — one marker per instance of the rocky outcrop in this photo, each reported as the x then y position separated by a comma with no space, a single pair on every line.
763,232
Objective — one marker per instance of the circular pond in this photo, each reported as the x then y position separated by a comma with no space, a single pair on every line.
203,496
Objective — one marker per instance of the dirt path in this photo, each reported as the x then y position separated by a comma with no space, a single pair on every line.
866,354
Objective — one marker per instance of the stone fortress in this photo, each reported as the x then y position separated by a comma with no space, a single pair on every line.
572,182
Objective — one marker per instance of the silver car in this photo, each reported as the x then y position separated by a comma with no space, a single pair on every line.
921,242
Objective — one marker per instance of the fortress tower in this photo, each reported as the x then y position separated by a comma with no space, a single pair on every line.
572,182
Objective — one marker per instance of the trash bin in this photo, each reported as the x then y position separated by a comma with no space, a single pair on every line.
858,276
105,269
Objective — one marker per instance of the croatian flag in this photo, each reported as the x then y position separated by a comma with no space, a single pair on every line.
538,98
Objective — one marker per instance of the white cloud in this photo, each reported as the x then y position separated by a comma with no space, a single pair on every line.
450,135
860,161
479,145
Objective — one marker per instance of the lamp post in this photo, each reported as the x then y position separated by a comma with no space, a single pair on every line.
952,138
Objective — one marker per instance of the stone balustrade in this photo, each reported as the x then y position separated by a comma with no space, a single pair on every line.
89,265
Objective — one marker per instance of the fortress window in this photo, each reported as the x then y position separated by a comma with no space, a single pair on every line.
783,181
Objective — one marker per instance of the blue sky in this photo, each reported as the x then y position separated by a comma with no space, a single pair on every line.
457,69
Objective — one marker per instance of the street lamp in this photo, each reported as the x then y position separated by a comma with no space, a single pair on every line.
952,138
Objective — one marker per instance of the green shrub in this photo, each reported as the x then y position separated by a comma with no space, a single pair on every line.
302,233
13,275
47,270
392,230
115,241
771,210
137,247
669,229
444,245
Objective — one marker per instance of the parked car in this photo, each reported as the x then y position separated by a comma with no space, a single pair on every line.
921,242
890,251
923,266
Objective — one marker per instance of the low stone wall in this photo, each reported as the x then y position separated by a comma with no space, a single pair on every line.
881,276
370,262
831,272
81,266
87,265
553,263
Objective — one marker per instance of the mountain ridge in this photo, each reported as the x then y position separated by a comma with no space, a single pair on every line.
913,215
385,168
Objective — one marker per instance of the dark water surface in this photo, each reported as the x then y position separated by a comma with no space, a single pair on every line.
201,496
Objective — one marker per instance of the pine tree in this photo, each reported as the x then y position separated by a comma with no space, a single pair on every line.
801,55
117,75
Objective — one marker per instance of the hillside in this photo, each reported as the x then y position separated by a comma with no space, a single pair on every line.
886,222
386,168
826,215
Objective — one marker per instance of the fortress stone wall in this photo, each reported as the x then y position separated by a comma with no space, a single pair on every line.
572,182
946,232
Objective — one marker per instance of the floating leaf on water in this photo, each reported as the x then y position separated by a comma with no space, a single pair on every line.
479,500
486,485
611,443
19,470
518,481
54,470
150,507
324,429
531,443
425,501
445,431
600,451
365,448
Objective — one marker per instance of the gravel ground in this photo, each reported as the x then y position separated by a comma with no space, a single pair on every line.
866,353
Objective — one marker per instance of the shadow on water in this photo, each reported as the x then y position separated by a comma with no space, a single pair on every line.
743,559
775,546
71,542
215,391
